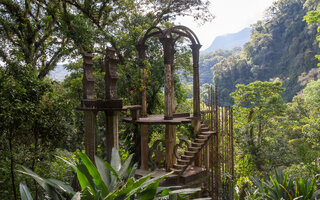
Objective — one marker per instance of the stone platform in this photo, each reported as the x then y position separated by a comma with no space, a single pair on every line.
192,177
159,119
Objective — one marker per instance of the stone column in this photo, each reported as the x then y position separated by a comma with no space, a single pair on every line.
196,86
111,133
111,79
170,136
111,76
172,74
142,56
196,95
144,147
167,43
144,137
89,115
196,124
170,132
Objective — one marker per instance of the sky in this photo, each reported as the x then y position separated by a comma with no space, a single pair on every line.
231,16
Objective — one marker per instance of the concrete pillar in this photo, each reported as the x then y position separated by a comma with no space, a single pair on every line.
89,115
111,133
170,143
144,147
111,78
90,133
196,86
142,56
167,43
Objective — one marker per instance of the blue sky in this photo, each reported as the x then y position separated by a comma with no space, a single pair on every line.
231,16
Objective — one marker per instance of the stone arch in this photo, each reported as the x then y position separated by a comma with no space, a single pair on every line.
166,38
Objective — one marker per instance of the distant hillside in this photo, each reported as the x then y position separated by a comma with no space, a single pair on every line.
208,60
229,41
283,47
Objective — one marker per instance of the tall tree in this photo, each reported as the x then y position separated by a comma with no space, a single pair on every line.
313,17
168,10
30,35
255,106
34,120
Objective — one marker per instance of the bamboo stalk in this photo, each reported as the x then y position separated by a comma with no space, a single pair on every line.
232,152
218,169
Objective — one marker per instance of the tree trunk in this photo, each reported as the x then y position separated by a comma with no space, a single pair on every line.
259,133
252,146
251,139
12,166
35,155
259,129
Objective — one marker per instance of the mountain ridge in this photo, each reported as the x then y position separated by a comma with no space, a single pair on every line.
229,41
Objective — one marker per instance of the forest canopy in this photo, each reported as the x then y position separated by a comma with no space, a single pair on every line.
38,116
272,83
282,47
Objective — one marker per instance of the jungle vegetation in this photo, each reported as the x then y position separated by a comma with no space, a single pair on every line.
271,83
281,47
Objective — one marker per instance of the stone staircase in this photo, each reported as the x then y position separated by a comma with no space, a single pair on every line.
189,155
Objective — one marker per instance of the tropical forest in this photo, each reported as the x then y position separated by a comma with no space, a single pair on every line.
143,112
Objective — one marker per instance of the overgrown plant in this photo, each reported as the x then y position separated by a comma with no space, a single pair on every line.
281,186
104,181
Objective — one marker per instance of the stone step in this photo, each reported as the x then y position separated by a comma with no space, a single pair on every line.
176,171
203,136
196,144
204,129
199,140
203,125
208,132
178,166
183,162
190,153
194,148
185,157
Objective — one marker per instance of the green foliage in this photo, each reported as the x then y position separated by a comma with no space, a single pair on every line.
34,121
257,94
311,129
208,61
309,119
30,35
104,181
314,17
269,134
245,165
169,10
311,94
25,193
20,93
256,107
302,170
281,186
281,47
289,138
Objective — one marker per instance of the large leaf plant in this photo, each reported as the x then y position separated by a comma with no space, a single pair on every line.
114,181
281,186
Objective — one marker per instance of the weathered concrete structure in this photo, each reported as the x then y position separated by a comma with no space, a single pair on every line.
204,159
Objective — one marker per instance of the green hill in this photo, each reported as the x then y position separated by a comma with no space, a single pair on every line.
208,60
282,47
229,41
